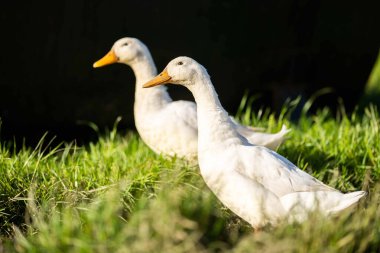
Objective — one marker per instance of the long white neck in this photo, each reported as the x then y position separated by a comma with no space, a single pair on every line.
147,99
214,124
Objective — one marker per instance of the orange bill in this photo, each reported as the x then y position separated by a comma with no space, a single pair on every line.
106,60
158,80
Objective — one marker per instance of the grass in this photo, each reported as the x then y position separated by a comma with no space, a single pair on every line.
116,195
372,89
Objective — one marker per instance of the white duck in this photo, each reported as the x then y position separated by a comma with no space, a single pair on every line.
166,126
254,182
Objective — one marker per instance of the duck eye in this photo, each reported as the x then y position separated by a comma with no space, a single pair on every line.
125,44
180,63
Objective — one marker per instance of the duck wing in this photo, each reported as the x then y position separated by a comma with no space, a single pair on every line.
275,172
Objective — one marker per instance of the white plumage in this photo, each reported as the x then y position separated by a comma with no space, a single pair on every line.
254,182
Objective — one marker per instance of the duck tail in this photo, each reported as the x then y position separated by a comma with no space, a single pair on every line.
284,130
348,200
276,139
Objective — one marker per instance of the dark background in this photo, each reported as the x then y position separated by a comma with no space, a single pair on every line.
274,48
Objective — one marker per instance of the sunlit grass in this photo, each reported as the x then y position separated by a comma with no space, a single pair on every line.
372,89
116,195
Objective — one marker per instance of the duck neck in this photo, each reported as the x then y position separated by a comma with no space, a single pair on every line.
147,99
214,123
144,69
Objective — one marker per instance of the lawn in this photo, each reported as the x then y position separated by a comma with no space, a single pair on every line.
115,195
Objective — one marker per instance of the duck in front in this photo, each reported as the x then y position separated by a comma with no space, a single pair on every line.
256,183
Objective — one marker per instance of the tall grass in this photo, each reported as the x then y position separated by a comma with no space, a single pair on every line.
372,89
116,195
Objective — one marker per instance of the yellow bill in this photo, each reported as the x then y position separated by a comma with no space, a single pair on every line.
106,60
158,80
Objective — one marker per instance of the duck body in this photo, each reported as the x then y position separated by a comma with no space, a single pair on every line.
168,127
263,187
256,183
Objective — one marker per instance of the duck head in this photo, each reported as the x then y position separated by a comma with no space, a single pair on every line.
125,50
181,70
